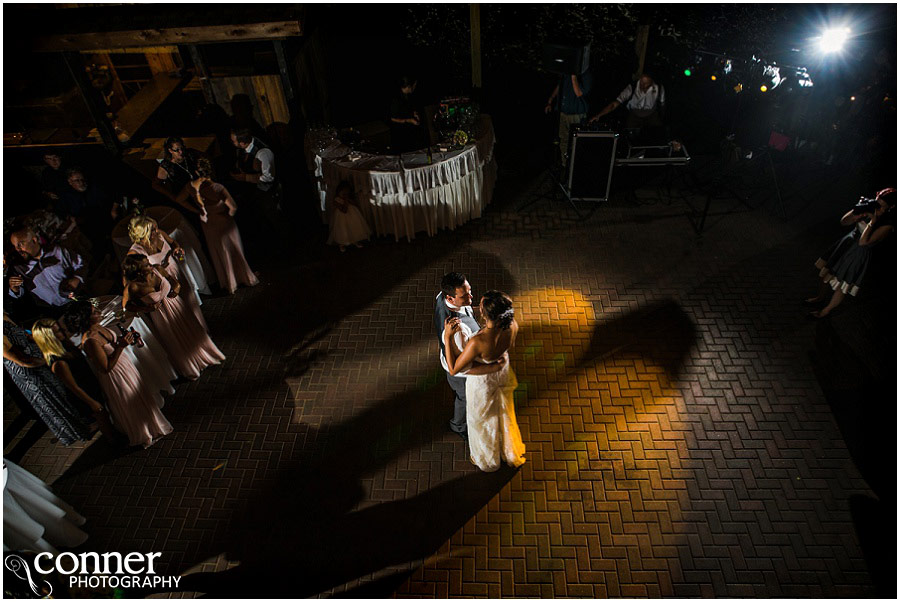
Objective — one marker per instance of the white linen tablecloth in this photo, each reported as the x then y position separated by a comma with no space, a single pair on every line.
402,195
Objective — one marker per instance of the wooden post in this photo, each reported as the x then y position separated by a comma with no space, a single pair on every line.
286,72
640,48
201,73
95,106
475,39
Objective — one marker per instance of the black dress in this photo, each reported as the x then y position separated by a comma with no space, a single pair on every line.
69,419
846,262
82,374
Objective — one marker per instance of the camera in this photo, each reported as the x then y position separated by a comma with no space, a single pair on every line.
865,206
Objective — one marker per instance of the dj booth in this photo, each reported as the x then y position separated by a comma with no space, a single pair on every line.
595,152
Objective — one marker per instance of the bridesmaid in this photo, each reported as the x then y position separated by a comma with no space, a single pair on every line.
163,251
134,406
217,209
152,290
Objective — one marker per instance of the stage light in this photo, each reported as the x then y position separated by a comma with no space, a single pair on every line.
763,88
833,40
738,87
712,77
852,98
687,72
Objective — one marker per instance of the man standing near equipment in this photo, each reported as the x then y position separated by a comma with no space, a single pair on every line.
644,100
571,96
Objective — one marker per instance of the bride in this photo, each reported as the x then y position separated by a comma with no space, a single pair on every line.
493,431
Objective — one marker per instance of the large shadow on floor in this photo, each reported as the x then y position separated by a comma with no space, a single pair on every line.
303,525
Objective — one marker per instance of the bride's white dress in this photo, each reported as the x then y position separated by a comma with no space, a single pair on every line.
491,416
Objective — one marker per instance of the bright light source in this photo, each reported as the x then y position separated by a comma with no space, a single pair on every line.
738,87
833,40
763,88
712,77
852,98
687,72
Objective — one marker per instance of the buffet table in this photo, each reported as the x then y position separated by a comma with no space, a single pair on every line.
403,194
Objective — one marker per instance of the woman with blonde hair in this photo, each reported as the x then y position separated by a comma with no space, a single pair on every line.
217,209
161,250
72,369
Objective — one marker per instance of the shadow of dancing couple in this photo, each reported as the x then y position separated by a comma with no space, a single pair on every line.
476,359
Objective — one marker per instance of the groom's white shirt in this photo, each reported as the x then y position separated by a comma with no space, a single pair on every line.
461,338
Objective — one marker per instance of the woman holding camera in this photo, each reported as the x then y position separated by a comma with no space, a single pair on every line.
848,258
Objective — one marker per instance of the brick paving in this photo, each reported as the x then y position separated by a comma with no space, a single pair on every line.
678,443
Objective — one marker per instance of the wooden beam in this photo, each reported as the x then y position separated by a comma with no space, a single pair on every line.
143,104
95,106
201,72
173,35
640,48
475,40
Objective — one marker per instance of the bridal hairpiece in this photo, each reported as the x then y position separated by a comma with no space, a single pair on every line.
508,314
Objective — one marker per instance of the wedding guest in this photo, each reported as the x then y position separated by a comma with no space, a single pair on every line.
223,239
51,275
176,170
348,226
134,406
163,251
69,422
53,176
152,290
92,207
72,369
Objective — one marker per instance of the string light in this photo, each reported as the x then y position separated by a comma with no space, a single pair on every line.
763,88
687,72
712,77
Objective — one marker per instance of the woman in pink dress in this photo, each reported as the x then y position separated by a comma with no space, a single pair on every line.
134,405
163,251
152,290
223,240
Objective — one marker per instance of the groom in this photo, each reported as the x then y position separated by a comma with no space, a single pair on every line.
455,301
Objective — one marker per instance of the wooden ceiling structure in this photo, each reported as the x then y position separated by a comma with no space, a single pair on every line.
78,30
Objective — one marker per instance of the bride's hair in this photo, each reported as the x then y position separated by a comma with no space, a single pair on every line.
498,308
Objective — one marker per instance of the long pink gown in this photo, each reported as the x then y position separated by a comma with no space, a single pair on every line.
224,240
133,404
186,342
173,269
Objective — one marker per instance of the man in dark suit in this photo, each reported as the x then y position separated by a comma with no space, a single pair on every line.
455,302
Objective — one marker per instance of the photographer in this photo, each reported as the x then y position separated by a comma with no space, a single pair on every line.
848,259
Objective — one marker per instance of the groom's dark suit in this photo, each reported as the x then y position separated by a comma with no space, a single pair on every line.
457,383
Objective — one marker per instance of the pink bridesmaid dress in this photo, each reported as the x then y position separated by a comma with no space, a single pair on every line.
186,342
224,240
172,268
133,404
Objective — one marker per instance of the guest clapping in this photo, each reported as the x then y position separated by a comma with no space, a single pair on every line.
847,260
217,209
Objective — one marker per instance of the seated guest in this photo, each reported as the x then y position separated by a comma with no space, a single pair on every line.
69,422
407,131
645,102
53,176
176,170
134,406
150,289
50,275
222,236
71,368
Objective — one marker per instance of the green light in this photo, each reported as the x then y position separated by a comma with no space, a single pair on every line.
687,72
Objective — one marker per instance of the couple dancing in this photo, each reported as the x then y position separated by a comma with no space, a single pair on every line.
478,371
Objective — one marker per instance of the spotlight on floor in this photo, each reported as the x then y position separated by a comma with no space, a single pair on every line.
833,40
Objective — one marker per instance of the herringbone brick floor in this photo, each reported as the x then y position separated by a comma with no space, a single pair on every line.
678,443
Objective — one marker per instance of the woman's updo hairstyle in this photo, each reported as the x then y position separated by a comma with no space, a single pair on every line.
132,267
498,308
205,168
